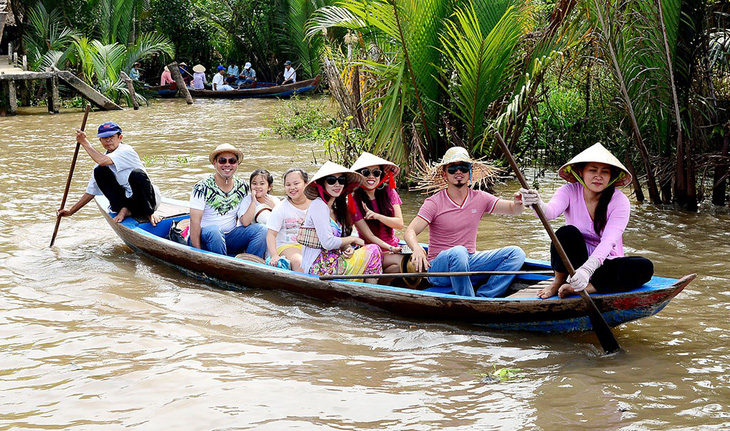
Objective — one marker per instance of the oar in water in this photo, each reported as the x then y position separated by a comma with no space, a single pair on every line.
430,274
600,327
70,175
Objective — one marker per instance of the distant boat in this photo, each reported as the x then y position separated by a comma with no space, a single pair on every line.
261,89
521,310
164,91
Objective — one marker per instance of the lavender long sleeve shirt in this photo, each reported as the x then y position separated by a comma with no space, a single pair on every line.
569,199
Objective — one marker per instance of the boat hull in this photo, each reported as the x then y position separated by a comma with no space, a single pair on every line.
282,91
525,314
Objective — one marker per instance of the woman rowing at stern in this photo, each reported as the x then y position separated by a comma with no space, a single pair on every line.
375,208
596,215
285,220
327,246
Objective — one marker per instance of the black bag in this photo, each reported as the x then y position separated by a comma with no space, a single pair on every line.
179,231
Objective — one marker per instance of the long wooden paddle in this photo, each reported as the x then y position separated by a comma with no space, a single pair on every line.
70,175
600,327
429,274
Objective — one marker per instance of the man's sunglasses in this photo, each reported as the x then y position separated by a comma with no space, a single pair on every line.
230,160
331,180
376,173
462,167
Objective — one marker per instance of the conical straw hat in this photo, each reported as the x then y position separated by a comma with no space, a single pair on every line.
431,178
367,159
596,153
354,180
198,68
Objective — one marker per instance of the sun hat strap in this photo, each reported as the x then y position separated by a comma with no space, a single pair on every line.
320,189
351,206
387,177
570,170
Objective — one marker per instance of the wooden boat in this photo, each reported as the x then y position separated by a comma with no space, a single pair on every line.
521,310
164,91
261,89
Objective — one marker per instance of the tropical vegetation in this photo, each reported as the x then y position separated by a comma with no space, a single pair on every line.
648,78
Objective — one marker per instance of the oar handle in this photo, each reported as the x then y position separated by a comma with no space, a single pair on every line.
70,176
431,274
538,210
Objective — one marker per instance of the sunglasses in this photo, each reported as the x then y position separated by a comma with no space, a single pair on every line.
230,160
461,167
376,172
331,180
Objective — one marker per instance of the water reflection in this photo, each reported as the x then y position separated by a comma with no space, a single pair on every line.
96,336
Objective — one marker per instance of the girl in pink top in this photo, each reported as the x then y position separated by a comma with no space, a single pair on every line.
596,214
375,208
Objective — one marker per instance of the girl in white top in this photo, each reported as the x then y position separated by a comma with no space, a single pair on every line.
262,183
285,219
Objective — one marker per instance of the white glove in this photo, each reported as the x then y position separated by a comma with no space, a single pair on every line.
530,198
582,276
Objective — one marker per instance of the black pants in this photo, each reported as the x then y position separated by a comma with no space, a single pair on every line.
142,203
620,274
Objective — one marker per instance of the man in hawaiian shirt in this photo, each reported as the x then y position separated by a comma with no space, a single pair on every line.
220,202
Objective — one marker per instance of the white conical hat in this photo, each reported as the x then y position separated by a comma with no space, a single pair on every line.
354,180
595,153
367,159
198,68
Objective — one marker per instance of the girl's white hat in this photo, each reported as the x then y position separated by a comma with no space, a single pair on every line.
596,153
367,159
354,180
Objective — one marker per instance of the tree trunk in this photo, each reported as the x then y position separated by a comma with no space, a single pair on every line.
634,179
720,182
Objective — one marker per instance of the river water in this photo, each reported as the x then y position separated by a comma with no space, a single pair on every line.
93,336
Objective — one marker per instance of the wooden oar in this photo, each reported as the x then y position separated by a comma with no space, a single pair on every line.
600,327
431,274
70,175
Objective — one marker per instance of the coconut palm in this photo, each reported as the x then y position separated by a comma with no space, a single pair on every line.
47,40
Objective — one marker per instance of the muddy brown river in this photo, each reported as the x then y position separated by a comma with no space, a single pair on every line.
93,336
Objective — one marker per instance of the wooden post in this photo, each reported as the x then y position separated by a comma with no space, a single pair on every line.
12,99
10,52
24,61
175,72
52,94
15,59
130,86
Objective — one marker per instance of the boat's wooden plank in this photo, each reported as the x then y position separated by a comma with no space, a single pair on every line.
530,292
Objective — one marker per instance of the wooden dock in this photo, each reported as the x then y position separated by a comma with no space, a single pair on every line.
11,74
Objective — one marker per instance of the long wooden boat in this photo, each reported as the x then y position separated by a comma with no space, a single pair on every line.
521,310
261,89
164,91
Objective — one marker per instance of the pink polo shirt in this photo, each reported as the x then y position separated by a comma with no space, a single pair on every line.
451,224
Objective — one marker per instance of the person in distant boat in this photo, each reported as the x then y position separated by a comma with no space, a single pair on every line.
199,79
285,220
375,209
187,77
219,83
220,202
290,74
232,72
166,77
247,77
119,175
452,215
134,72
262,184
328,248
596,215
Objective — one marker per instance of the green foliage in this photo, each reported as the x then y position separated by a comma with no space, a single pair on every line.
301,119
482,61
47,40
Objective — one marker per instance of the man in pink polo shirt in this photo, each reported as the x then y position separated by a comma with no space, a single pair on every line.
452,215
